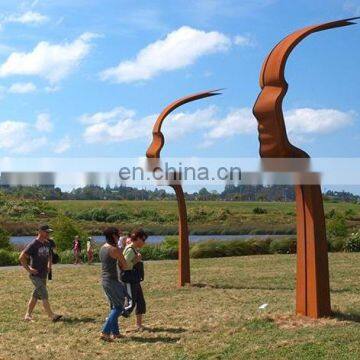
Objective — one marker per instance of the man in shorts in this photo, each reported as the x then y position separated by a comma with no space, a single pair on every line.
36,259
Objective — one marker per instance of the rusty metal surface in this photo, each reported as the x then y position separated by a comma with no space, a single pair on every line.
312,285
153,152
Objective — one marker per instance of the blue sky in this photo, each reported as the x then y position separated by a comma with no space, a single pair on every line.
86,78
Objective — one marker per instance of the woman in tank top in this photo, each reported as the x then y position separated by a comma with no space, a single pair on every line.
111,257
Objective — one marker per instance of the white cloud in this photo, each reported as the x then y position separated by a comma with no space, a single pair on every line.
43,123
5,49
352,7
299,122
117,114
120,124
118,131
18,137
244,40
237,121
52,89
51,61
181,123
179,49
29,17
29,145
317,121
63,145
22,88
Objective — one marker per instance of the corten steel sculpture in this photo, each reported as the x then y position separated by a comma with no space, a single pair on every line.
312,286
153,152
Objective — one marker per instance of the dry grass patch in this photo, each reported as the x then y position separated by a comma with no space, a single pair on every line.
218,317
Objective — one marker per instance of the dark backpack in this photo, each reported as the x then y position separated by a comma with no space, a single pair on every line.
135,275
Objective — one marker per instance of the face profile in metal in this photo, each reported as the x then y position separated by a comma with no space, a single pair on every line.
153,155
312,286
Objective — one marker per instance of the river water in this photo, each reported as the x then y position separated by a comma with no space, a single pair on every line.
155,239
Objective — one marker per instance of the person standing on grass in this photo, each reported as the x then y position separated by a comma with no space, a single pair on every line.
90,250
133,275
111,257
77,250
39,254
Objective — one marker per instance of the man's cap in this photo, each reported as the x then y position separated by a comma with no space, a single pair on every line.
45,228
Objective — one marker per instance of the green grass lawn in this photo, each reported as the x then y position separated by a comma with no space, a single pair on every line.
218,317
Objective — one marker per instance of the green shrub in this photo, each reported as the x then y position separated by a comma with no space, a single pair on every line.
170,246
209,249
8,258
147,214
5,240
155,252
65,229
99,214
336,244
350,213
170,242
221,214
331,214
337,227
112,218
259,210
199,214
259,246
236,247
352,244
118,216
283,246
67,256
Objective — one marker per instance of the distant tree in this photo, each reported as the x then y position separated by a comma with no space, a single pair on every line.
337,227
65,229
4,240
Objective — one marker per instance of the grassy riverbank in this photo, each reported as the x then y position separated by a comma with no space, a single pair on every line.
218,317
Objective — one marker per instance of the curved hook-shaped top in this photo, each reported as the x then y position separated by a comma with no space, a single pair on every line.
268,106
158,138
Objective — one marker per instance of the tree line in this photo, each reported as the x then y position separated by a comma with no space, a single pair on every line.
230,193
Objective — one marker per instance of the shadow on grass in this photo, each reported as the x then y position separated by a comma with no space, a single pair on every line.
165,329
75,320
231,287
349,316
144,340
344,290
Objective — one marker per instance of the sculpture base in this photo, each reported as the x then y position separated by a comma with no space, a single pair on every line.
312,281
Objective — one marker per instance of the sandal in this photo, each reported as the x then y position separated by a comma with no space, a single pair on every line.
28,318
106,337
56,318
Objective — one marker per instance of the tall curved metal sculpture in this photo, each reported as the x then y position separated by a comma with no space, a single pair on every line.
153,152
312,287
